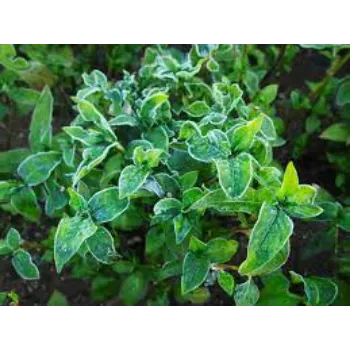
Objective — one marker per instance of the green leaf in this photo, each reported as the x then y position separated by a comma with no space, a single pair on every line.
149,158
24,266
92,157
4,248
338,132
167,207
268,94
188,180
199,296
276,291
91,114
194,273
123,267
10,160
13,239
133,289
221,250
155,239
25,203
235,175
158,137
269,236
86,137
214,145
57,299
3,297
70,235
290,182
40,131
343,94
303,211
7,188
344,219
56,198
151,104
196,245
106,206
198,109
131,179
77,201
226,282
182,227
242,137
101,246
319,291
37,168
246,294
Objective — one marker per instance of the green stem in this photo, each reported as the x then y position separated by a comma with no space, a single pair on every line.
336,65
226,267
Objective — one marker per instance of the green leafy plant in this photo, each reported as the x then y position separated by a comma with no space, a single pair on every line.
164,186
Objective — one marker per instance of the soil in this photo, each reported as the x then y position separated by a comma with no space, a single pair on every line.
313,168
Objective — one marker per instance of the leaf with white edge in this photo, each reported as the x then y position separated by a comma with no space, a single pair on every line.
268,128
304,194
194,273
167,208
319,291
213,146
149,158
4,248
221,250
25,203
182,227
235,175
131,179
101,246
343,93
268,176
37,168
261,150
270,234
247,293
7,188
106,205
290,182
92,157
40,130
303,211
77,201
198,109
24,266
10,160
86,137
242,137
226,282
70,235
158,137
13,239
90,113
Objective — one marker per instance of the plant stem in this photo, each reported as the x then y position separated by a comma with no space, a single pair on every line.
276,66
226,267
336,65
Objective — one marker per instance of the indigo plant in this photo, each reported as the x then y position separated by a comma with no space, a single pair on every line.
164,188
